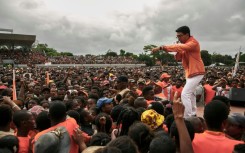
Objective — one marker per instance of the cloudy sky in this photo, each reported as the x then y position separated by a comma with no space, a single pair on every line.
95,26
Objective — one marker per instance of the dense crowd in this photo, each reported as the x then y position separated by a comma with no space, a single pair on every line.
119,110
36,57
23,57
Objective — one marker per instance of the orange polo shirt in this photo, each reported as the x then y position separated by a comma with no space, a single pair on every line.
70,124
174,89
24,143
209,93
189,53
213,142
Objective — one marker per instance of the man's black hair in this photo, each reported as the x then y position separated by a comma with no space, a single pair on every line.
93,96
174,131
142,135
6,115
5,92
43,121
215,113
239,148
158,107
96,88
74,114
20,116
100,139
125,144
184,30
122,79
146,90
115,112
162,144
222,99
57,111
8,143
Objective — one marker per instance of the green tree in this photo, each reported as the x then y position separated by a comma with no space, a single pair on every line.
122,52
206,57
147,59
111,53
149,47
242,57
128,54
66,54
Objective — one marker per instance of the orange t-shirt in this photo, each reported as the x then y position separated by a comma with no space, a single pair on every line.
209,93
213,142
174,89
24,143
70,124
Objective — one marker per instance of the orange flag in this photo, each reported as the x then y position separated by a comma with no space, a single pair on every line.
47,78
14,86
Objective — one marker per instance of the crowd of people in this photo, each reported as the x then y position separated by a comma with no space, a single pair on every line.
119,110
93,59
37,57
22,57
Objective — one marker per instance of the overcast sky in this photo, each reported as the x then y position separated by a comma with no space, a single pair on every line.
95,26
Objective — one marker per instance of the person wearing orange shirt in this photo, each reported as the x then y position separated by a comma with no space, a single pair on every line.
177,88
188,50
167,86
57,114
209,91
214,140
158,91
24,122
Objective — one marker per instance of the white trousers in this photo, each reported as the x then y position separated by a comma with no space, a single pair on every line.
188,95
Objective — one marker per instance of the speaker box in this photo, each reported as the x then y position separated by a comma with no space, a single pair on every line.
237,94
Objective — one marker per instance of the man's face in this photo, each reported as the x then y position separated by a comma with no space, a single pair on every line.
182,38
91,103
30,122
46,94
233,130
53,92
150,95
37,90
107,108
178,83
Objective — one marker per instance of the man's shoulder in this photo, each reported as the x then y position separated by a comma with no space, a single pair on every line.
192,39
68,121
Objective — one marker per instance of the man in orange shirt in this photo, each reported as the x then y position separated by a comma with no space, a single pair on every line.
167,86
57,114
177,88
188,50
209,90
214,140
24,122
